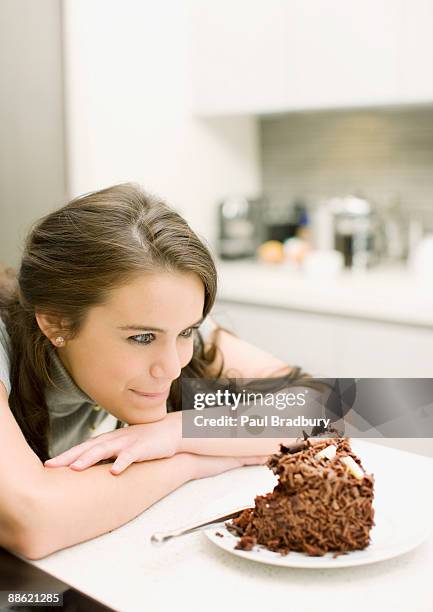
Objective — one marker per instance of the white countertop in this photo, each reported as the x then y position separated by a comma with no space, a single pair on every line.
124,571
382,294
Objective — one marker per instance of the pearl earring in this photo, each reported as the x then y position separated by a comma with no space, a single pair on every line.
59,341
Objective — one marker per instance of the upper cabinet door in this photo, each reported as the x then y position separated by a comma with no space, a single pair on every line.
341,53
255,56
238,54
416,51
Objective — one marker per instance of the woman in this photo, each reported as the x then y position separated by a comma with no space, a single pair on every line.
105,312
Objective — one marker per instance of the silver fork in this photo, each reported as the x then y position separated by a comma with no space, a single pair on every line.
160,537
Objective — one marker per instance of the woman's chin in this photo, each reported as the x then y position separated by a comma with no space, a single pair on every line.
148,415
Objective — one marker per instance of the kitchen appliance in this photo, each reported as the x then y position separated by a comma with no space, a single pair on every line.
282,224
240,227
352,226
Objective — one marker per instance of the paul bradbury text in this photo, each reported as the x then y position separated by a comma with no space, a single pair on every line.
200,420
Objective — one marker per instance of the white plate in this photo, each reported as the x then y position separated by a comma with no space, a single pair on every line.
391,536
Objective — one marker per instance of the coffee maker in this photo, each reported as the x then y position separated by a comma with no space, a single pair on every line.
352,226
240,227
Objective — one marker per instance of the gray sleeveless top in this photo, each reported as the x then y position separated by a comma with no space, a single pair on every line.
74,416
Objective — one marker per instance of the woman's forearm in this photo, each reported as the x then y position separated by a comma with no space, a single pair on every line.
72,507
235,447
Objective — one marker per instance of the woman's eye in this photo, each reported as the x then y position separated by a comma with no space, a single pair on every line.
188,332
147,338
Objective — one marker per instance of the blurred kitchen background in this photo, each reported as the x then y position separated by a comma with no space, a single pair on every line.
296,136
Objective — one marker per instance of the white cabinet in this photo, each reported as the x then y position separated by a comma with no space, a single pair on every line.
342,53
415,59
250,56
237,54
329,346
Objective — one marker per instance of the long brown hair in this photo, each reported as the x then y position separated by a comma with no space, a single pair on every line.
73,257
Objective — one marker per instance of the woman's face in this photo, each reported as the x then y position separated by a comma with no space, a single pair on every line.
138,341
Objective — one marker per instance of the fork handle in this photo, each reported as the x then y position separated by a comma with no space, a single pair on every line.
161,537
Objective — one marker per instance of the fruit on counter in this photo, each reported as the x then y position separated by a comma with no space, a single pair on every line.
271,251
295,249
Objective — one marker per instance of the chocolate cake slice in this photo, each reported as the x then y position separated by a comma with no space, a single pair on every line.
322,502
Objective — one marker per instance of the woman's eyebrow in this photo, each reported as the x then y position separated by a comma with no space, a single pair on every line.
150,328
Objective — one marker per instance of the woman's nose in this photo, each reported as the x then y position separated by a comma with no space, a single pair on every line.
167,365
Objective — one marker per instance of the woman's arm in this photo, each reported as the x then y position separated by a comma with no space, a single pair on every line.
233,446
44,509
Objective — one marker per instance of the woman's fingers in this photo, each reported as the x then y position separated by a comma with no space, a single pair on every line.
94,455
70,455
123,461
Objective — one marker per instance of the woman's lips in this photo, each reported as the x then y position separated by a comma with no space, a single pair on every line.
152,395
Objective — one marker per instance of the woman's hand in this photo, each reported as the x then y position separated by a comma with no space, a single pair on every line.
128,445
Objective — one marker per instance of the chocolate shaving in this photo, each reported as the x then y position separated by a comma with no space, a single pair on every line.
316,507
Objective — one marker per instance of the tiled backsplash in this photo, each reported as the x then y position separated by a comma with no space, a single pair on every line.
381,154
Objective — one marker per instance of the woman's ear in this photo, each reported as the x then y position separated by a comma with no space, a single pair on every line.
50,325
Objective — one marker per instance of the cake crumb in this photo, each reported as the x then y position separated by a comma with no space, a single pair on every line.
246,543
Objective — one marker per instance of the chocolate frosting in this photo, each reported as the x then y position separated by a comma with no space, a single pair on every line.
318,505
